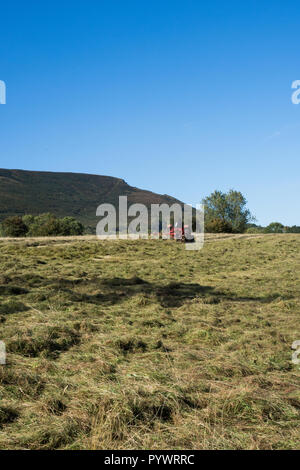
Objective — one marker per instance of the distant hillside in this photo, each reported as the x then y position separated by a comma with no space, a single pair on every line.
67,194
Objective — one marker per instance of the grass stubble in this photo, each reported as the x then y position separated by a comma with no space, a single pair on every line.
144,345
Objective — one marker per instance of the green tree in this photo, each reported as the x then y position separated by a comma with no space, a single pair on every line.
70,226
14,227
275,227
43,225
230,208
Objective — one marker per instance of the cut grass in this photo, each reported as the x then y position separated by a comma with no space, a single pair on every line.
144,345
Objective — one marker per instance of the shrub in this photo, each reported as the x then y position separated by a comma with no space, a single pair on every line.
293,229
256,229
44,225
70,226
41,225
218,226
14,227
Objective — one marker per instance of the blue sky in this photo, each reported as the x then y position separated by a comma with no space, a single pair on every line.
179,97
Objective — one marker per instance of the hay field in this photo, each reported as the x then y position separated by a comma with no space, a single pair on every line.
144,345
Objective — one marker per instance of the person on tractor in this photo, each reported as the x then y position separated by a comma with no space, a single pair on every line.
183,233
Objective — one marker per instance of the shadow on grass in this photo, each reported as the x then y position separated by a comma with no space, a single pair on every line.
174,294
115,290
7,415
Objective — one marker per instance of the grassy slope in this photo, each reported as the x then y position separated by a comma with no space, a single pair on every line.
196,356
66,194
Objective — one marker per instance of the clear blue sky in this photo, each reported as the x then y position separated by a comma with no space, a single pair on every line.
179,97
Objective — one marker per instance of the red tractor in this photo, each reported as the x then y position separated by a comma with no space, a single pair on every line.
180,233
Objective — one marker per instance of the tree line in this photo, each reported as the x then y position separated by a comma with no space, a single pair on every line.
223,213
274,227
42,225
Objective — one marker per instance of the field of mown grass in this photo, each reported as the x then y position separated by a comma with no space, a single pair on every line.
144,345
